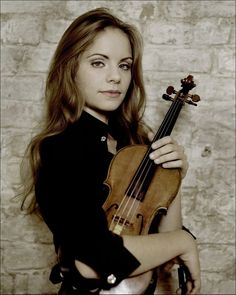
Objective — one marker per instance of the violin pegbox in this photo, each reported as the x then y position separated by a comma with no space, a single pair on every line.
183,95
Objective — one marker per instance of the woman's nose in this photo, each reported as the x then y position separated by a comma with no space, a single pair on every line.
113,75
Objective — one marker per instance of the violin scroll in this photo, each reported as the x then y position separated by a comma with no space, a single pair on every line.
183,94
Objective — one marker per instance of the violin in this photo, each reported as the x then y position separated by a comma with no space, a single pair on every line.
140,190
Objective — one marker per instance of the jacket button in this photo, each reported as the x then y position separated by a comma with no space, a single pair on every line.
111,279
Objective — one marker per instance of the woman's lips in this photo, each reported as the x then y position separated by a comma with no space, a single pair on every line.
111,93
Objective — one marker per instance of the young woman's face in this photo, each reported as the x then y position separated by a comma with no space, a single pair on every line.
104,72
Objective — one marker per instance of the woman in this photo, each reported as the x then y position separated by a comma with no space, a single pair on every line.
95,101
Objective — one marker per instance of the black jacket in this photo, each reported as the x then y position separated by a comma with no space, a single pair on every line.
70,193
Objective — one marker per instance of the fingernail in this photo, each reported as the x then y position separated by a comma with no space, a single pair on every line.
154,146
157,161
151,156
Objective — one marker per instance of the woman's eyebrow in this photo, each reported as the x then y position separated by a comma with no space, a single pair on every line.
106,57
100,54
125,58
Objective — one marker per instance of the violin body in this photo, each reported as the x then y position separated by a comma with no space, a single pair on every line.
162,190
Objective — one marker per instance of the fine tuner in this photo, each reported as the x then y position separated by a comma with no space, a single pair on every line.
183,95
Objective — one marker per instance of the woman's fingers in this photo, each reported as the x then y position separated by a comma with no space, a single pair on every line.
170,154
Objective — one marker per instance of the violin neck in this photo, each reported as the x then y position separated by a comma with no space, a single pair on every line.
147,167
169,121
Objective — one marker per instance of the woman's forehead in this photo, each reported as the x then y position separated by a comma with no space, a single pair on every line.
110,41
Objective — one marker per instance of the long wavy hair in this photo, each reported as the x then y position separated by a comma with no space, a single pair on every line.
64,105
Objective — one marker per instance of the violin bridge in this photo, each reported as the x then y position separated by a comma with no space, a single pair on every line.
118,224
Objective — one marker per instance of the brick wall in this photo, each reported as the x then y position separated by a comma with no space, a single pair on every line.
180,37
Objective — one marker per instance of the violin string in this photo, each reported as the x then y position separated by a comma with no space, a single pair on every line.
163,133
115,215
168,117
149,164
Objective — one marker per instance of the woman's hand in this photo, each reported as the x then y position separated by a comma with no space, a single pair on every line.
190,258
169,154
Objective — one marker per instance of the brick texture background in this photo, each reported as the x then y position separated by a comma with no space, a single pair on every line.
180,37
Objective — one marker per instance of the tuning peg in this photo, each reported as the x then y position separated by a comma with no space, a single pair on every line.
195,98
190,102
167,97
170,90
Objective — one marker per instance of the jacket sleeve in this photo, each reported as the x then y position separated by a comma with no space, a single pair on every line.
69,205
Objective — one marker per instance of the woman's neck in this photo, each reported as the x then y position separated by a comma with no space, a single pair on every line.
111,144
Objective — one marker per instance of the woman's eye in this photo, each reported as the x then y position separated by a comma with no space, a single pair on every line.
97,64
125,67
